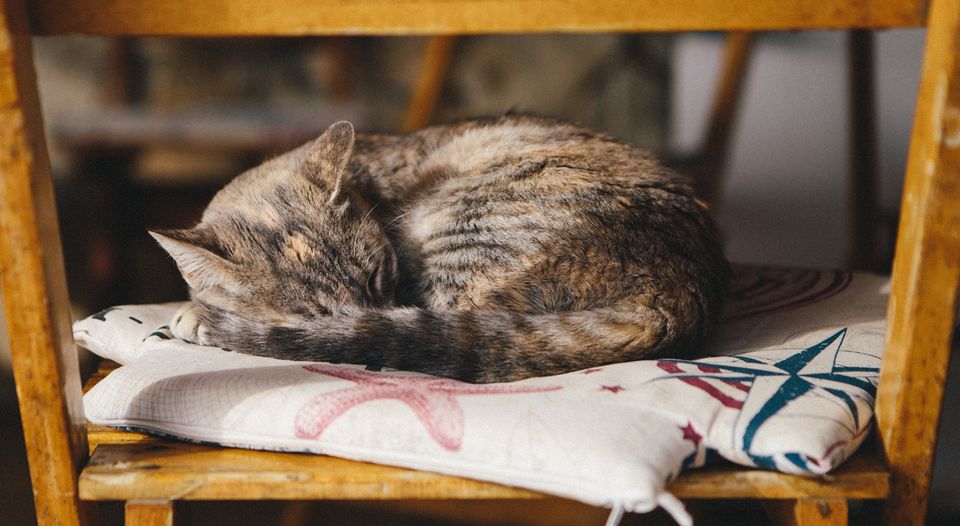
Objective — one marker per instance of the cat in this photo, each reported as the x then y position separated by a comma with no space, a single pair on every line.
488,250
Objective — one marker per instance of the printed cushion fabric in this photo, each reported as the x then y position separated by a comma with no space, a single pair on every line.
789,386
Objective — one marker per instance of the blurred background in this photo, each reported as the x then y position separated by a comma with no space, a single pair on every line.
144,131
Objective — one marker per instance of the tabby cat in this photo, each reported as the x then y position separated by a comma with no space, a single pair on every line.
488,250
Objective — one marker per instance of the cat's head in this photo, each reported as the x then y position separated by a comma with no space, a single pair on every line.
288,241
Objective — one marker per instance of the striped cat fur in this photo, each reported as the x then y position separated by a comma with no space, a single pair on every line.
487,250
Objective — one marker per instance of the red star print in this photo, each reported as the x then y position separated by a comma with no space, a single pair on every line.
593,370
612,388
432,399
689,433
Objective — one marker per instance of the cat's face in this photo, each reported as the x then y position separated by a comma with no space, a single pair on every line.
285,242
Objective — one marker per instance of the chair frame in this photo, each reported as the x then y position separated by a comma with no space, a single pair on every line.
926,272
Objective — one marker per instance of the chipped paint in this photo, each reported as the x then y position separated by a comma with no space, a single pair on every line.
937,108
191,486
114,479
944,119
951,128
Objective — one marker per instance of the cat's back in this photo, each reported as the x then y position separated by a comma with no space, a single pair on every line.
519,143
535,167
525,163
537,214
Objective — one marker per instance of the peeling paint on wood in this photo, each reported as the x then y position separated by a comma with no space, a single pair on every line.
926,273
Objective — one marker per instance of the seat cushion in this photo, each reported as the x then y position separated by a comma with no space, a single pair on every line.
789,385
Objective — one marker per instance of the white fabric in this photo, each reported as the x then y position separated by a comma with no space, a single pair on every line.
793,391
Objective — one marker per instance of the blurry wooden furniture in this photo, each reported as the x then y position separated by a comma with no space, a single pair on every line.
139,164
132,155
707,164
427,90
151,475
866,248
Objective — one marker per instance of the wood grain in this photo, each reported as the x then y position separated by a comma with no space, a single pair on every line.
97,435
35,295
148,513
408,17
926,273
861,477
170,470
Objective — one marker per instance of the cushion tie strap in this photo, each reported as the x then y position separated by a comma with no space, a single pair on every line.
675,508
616,514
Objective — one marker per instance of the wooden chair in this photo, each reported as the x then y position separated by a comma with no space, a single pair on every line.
151,476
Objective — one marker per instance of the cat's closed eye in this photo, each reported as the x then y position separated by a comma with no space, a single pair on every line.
378,285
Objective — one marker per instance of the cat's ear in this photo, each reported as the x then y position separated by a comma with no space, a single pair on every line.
197,255
327,157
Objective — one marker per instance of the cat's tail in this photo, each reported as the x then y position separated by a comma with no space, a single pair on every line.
471,345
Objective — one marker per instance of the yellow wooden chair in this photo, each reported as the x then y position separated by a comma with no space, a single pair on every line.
151,475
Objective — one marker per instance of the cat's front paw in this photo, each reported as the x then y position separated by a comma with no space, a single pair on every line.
186,325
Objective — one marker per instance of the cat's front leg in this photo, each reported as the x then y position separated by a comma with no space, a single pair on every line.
186,325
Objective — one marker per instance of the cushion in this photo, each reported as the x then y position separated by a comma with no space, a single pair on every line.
789,385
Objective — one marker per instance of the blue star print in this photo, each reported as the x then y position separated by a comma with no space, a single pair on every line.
774,385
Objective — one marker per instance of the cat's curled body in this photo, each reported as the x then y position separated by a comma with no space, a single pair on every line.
489,250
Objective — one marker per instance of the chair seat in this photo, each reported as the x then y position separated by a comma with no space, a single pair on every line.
134,466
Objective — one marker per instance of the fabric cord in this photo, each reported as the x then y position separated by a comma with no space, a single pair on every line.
616,514
675,508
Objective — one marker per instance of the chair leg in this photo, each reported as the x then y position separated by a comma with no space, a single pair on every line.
808,512
433,73
148,513
926,277
737,50
35,289
864,189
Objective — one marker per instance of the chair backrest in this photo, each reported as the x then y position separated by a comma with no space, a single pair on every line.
295,17
921,314
927,264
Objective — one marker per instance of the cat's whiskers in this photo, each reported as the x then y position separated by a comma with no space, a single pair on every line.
397,218
375,253
372,208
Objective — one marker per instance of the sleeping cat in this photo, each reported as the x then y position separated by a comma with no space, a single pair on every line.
488,251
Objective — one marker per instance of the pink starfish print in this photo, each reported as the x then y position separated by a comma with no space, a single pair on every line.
432,399
689,433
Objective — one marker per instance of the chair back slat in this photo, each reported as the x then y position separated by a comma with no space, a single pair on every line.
405,17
